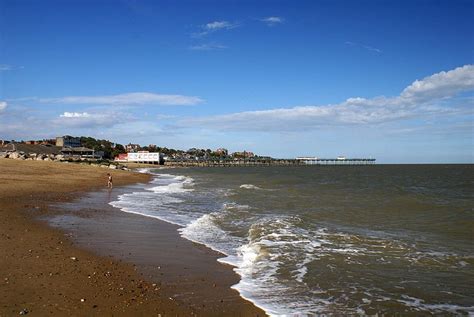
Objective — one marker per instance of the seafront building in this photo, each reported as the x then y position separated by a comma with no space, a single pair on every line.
68,141
222,152
140,157
81,152
69,147
244,154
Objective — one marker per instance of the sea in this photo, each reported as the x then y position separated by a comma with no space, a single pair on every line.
329,240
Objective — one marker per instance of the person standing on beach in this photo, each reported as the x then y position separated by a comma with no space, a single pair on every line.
109,181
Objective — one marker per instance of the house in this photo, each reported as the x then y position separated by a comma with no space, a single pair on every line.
141,157
122,157
68,141
243,154
221,152
41,142
81,151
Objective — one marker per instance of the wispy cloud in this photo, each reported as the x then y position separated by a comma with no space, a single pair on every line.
90,120
3,106
4,67
273,20
136,98
32,123
367,47
219,25
214,26
435,129
207,47
422,99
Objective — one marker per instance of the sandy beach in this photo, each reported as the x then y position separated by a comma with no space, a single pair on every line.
82,269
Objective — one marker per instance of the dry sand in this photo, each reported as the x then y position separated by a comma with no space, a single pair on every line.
44,273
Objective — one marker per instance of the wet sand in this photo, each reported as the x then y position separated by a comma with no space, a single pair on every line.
102,261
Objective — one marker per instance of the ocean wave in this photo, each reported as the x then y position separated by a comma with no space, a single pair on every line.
204,231
276,260
280,258
163,206
170,188
274,245
168,183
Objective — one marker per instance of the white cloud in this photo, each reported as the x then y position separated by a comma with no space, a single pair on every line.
271,21
441,85
33,123
137,98
207,47
421,99
90,120
3,106
75,115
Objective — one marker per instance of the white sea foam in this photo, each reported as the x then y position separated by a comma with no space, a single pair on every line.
170,188
204,231
144,203
275,243
162,206
249,186
172,184
143,170
256,260
420,305
236,208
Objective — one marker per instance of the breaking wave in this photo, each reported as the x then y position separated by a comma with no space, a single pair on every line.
282,261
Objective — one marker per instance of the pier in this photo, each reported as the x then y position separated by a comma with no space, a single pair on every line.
336,161
306,161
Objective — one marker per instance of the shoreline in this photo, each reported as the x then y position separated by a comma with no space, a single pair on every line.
186,271
47,272
219,256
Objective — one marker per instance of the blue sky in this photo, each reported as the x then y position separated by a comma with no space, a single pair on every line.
387,79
